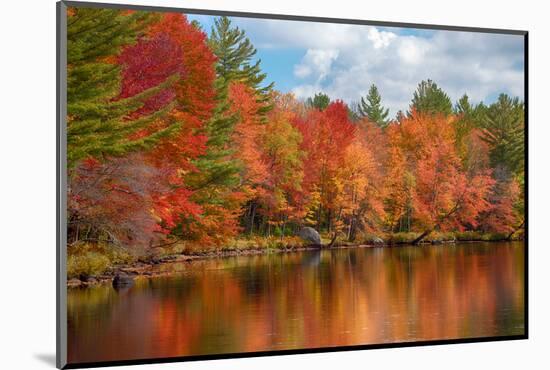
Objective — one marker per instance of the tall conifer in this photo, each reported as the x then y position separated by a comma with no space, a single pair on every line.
98,124
372,108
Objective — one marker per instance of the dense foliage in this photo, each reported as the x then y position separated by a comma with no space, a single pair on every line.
175,136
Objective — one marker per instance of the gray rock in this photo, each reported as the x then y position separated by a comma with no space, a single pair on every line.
122,280
377,241
310,235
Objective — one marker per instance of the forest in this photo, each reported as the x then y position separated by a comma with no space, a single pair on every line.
177,143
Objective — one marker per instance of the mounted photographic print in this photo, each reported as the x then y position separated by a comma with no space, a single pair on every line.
235,184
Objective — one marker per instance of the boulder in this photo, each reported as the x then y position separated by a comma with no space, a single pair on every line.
377,241
122,280
310,235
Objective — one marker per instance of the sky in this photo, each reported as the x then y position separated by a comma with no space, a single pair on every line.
343,61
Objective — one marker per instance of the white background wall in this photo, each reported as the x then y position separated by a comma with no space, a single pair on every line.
27,185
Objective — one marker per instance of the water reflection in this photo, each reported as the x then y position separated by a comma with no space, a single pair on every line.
304,300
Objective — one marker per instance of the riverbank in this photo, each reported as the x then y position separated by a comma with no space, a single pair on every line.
90,265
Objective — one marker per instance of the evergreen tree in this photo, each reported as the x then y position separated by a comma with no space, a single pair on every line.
218,172
469,116
319,101
372,108
97,122
429,98
235,55
503,130
216,168
463,106
464,110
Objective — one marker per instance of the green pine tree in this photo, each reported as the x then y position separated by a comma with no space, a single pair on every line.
469,117
465,112
218,172
216,168
429,98
319,101
503,129
235,55
372,108
97,123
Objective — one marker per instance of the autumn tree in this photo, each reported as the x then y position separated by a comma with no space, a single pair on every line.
371,107
166,47
326,135
247,139
445,196
503,216
172,45
111,202
399,184
98,122
218,177
205,171
284,161
361,192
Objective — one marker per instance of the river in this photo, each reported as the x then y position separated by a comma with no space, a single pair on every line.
306,299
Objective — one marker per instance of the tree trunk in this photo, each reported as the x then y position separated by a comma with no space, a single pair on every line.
441,219
319,213
332,241
252,215
509,237
76,233
422,236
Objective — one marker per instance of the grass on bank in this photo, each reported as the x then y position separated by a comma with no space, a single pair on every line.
446,237
85,259
253,242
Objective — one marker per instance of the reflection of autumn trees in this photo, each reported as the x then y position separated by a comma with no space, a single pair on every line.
305,300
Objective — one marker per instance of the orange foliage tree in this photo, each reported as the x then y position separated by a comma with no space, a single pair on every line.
326,136
446,196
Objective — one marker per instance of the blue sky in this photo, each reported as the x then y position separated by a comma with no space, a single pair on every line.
344,60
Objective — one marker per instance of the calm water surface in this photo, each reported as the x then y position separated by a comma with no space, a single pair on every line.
304,300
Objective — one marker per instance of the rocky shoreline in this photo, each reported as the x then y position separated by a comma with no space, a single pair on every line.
149,268
124,275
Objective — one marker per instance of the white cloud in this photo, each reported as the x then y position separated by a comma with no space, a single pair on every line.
305,91
316,62
344,60
380,39
412,50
